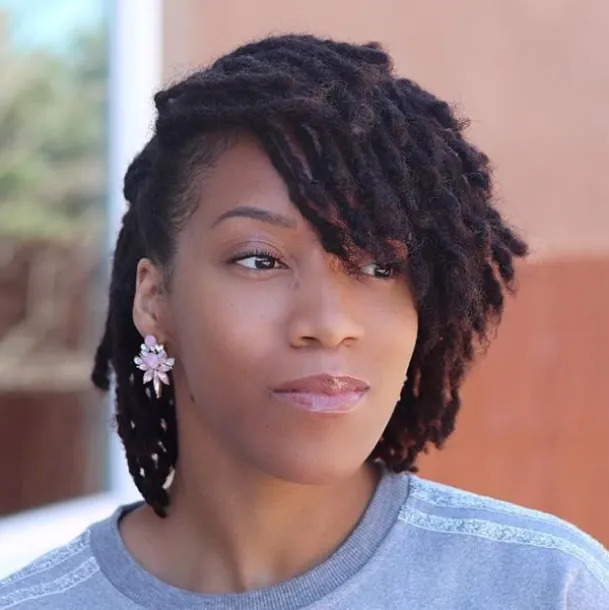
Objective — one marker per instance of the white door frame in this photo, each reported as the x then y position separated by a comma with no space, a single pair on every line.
135,60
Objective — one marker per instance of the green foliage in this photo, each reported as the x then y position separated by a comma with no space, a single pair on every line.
52,139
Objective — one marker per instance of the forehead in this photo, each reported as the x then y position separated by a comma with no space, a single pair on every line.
243,175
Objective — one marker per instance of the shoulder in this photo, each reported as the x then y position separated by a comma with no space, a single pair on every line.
506,527
41,583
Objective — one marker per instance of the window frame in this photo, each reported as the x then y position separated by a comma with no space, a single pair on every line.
135,52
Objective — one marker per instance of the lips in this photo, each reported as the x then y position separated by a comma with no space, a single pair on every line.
324,393
327,384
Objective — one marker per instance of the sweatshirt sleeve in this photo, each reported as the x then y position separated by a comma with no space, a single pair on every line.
589,588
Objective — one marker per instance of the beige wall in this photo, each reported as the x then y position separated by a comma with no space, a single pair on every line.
532,74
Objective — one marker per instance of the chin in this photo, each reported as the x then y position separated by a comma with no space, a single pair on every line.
313,467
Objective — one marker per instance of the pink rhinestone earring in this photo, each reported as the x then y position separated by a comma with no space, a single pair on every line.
155,363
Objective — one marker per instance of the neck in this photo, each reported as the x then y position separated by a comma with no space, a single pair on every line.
230,529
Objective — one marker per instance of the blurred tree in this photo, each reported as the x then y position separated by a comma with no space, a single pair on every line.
52,138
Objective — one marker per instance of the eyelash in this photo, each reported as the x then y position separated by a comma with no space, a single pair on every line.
270,256
255,253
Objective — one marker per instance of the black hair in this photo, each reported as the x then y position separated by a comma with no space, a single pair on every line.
347,135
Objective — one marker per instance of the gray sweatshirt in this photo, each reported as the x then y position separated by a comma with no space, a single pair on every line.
419,545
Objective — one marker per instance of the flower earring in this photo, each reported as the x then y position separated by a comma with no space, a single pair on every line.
155,363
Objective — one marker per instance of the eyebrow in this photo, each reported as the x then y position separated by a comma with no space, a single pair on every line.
247,211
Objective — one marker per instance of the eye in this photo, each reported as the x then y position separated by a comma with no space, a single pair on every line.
379,270
258,262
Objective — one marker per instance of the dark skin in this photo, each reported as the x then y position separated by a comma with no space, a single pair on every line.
264,491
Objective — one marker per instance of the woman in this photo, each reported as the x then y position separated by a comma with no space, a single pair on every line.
308,263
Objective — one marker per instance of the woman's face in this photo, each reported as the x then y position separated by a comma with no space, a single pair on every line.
255,309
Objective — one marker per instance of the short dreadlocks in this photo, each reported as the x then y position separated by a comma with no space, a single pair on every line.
353,142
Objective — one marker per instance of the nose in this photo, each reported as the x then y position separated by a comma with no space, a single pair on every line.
323,312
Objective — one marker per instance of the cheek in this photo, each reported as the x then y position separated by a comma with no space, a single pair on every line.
401,332
394,333
218,329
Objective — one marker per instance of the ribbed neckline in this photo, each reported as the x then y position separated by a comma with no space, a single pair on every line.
133,581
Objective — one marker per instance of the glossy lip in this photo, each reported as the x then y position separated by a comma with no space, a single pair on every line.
325,393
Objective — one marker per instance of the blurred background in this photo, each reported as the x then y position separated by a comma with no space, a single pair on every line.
77,78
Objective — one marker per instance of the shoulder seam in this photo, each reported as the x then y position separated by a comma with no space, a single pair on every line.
82,573
50,560
441,495
508,534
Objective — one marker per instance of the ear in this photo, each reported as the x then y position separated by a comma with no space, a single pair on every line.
149,303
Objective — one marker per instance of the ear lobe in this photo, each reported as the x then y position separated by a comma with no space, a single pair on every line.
148,300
